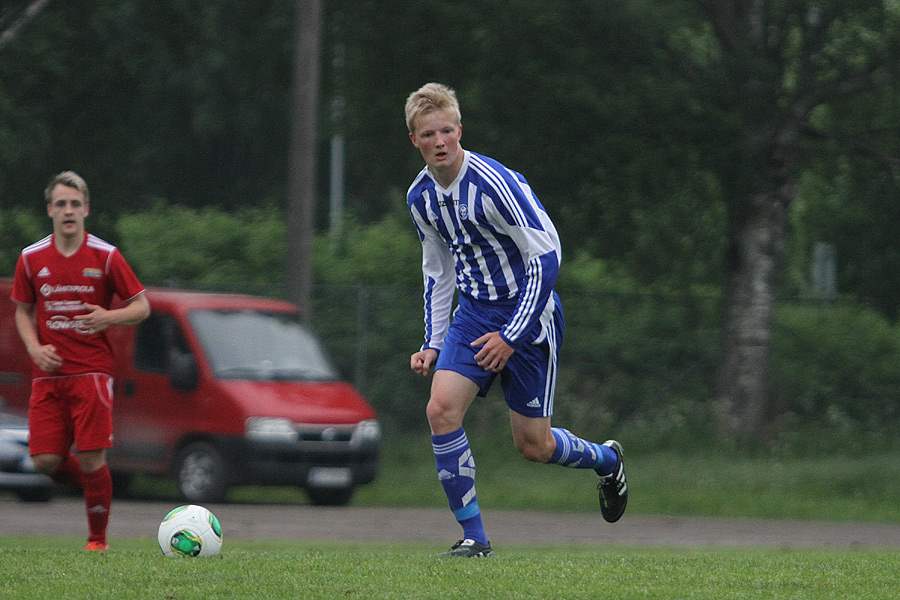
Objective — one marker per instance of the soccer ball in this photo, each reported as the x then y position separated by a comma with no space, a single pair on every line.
190,530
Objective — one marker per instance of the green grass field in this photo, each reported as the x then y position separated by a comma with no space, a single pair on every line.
37,569
823,487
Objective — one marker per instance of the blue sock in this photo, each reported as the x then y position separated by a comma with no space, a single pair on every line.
456,470
572,451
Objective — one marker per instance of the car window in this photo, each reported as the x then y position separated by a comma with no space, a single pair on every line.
157,337
251,344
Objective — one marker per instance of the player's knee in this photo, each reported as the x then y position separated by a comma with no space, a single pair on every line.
442,416
534,451
91,461
46,463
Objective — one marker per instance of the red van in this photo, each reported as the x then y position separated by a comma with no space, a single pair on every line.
217,390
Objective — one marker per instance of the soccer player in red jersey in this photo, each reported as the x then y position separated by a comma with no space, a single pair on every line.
63,288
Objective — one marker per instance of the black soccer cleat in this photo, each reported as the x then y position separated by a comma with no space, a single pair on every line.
468,549
613,489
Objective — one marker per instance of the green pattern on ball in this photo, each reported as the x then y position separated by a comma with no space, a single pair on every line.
214,523
174,512
185,543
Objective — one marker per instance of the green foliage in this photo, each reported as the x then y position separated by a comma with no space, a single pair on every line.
633,360
204,246
184,100
19,228
622,115
386,252
837,367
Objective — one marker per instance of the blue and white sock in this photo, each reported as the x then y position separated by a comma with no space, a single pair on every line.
456,470
572,451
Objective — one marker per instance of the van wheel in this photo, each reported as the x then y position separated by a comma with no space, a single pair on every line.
201,474
329,496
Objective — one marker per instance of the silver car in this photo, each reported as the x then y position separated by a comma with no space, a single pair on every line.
17,473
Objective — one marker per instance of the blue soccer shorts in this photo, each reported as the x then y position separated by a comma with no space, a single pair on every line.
529,378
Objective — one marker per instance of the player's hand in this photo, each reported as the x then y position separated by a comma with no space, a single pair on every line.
46,358
422,361
94,321
494,352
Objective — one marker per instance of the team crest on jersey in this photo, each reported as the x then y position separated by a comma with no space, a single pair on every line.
463,211
89,272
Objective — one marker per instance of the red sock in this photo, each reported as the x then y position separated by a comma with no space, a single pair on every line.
97,501
68,472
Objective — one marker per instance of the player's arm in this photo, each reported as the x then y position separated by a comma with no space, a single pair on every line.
439,278
137,309
43,355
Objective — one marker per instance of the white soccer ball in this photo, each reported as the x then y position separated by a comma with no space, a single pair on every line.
190,530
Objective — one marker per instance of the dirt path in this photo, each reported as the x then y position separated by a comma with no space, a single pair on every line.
65,516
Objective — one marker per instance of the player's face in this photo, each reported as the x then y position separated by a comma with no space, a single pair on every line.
437,137
68,209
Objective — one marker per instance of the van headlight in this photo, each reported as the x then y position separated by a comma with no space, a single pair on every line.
367,432
271,429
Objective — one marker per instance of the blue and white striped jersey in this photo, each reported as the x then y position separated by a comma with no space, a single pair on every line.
490,236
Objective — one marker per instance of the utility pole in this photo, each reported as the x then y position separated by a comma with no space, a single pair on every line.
302,169
336,196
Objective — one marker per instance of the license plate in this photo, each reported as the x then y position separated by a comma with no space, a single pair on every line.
330,477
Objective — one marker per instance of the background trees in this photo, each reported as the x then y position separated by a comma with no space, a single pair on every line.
782,72
683,145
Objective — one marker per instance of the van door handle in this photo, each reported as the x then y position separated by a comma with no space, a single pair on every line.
129,387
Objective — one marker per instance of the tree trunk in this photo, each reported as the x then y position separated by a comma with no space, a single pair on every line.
749,310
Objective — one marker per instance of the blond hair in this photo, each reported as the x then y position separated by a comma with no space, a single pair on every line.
69,179
431,97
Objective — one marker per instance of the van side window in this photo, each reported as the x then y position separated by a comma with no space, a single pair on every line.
157,337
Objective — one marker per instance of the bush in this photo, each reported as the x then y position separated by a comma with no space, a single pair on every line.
835,368
635,363
204,246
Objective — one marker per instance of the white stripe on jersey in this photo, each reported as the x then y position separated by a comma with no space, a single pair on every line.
499,184
527,306
38,245
553,341
104,246
94,242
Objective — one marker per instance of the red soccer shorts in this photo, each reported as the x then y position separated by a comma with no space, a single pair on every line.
74,409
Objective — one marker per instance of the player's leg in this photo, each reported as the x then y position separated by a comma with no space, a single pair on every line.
64,470
451,396
537,441
50,434
529,383
97,485
92,417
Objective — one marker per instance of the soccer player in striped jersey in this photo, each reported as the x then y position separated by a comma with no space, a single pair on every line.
485,235
63,287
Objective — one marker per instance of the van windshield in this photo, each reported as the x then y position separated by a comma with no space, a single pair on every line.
249,344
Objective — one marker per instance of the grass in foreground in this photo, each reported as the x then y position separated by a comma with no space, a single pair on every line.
135,569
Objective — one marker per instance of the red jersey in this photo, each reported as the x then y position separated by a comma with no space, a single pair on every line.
59,286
